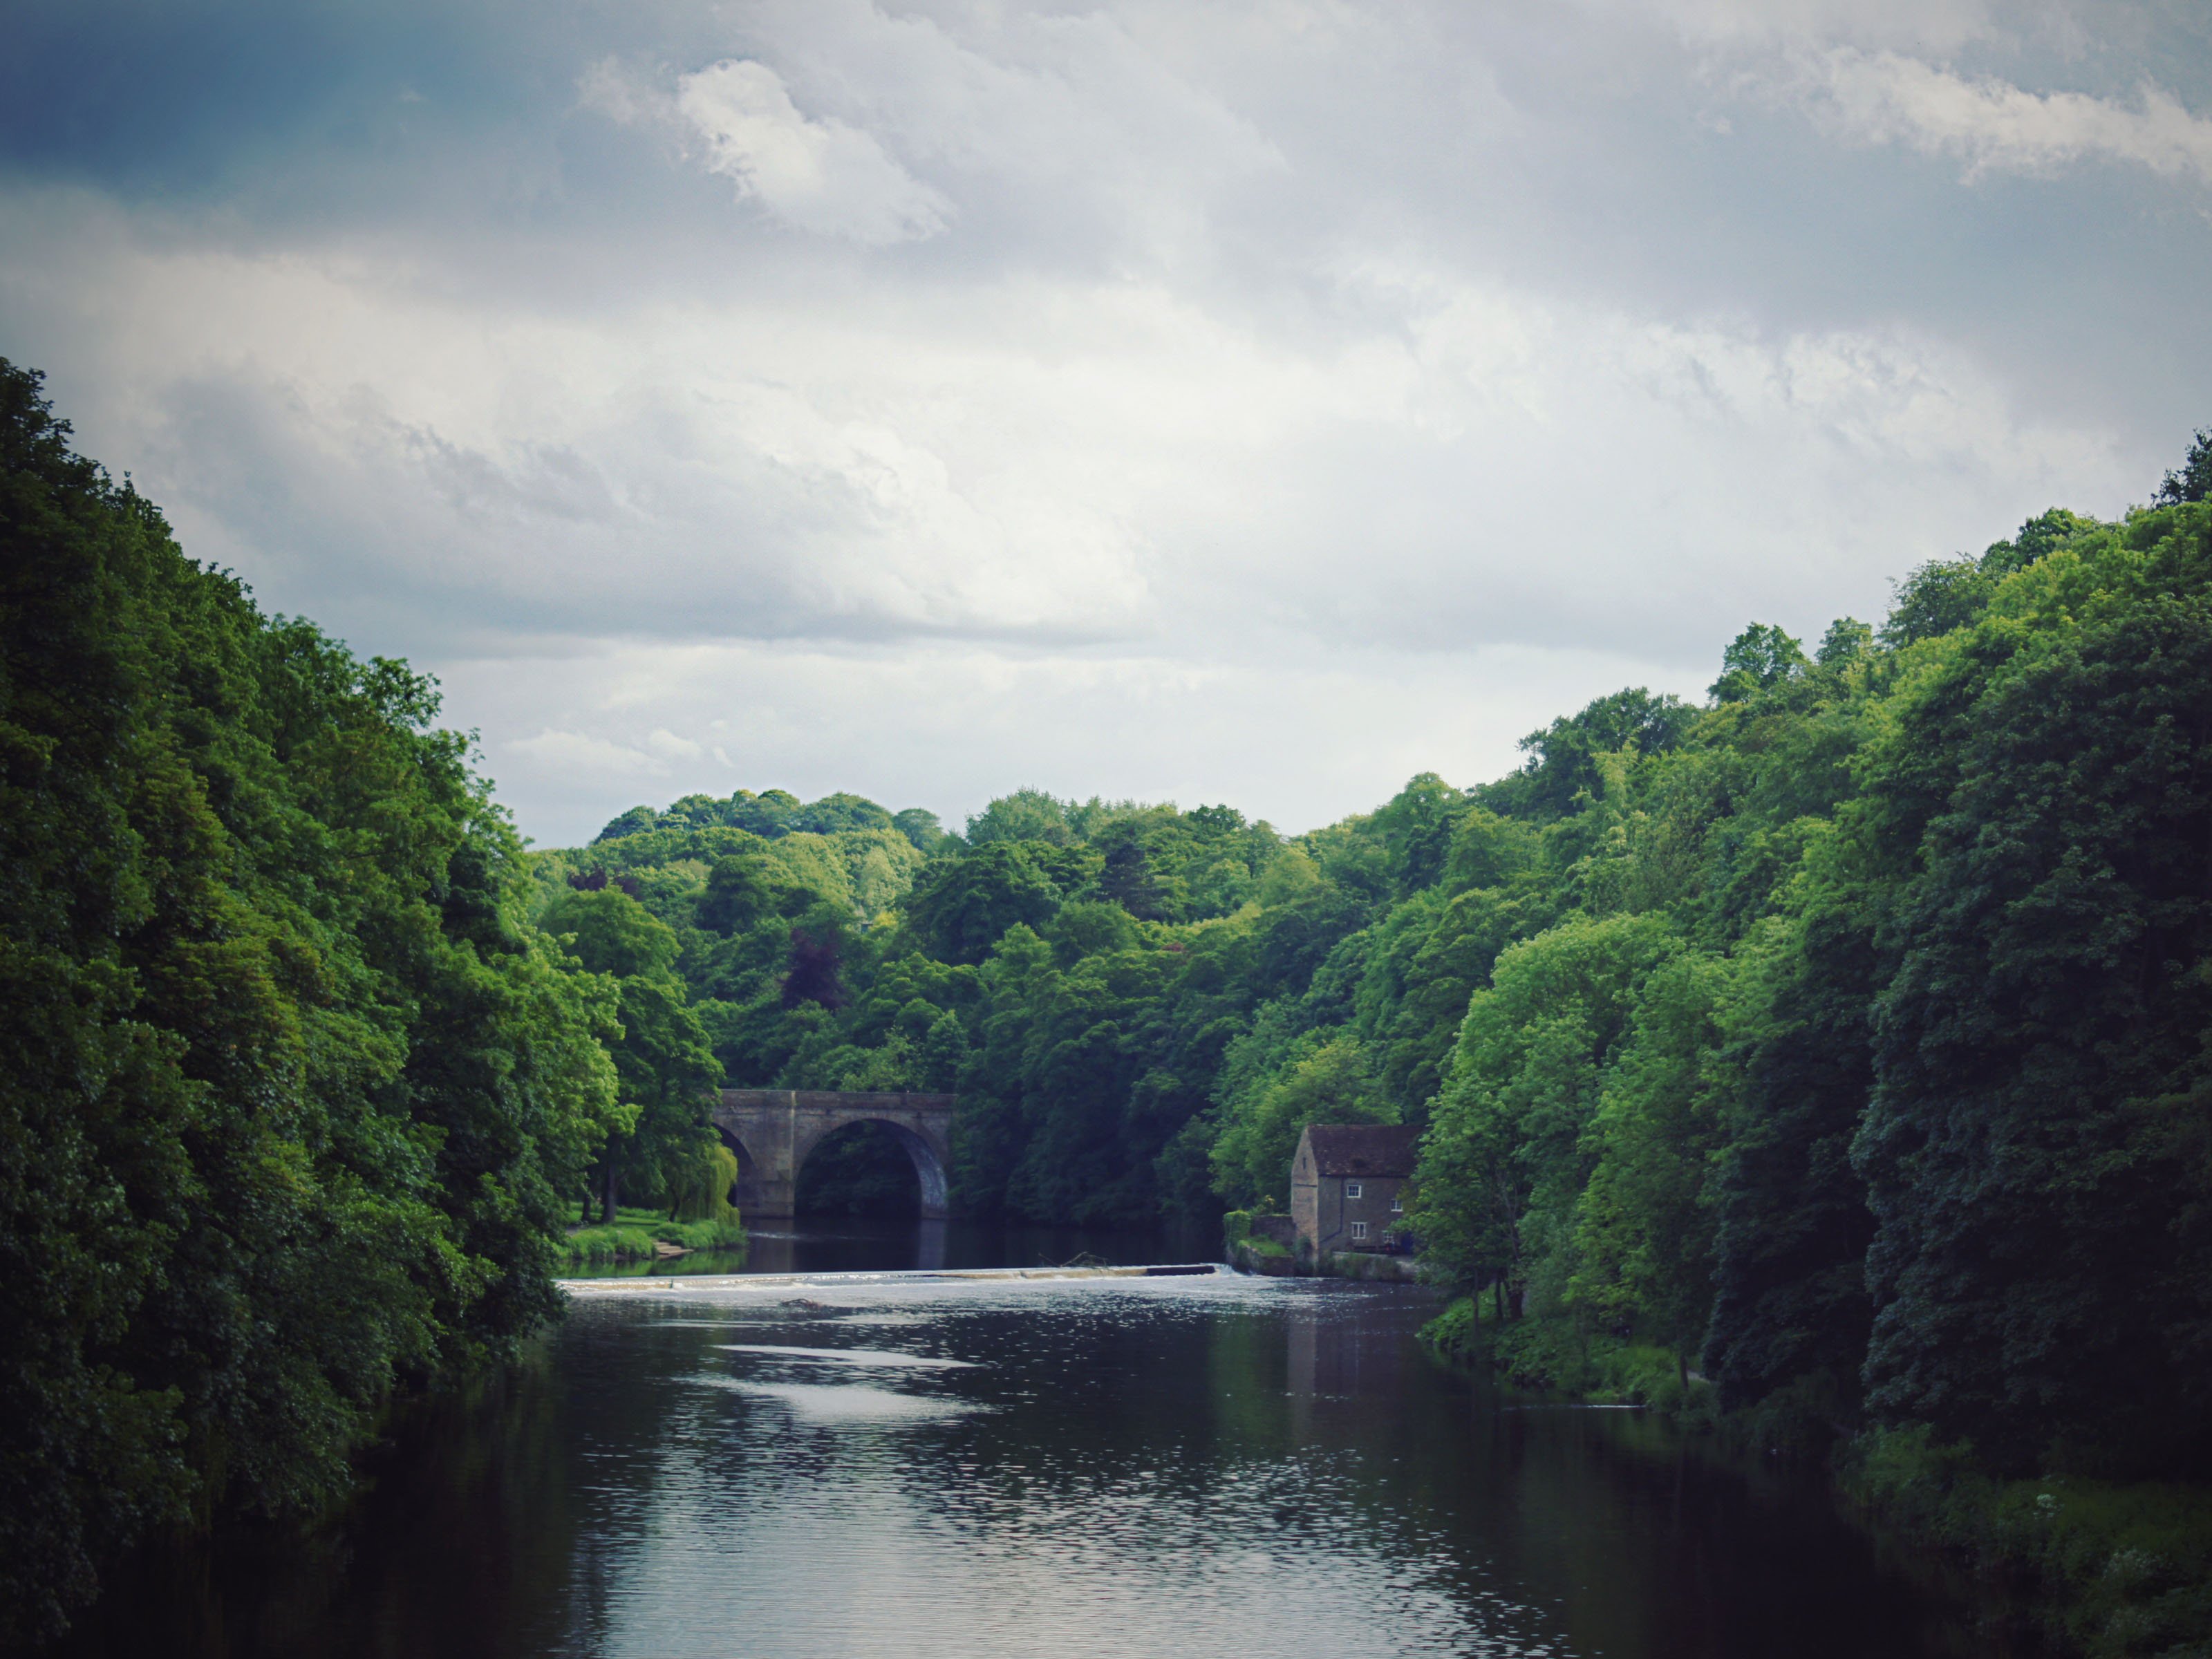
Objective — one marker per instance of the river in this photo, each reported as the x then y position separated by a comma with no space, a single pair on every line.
845,1468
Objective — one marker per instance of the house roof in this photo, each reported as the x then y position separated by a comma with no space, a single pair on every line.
1381,1150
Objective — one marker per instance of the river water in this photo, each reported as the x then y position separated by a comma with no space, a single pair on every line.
844,1468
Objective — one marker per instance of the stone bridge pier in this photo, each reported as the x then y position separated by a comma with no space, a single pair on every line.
773,1130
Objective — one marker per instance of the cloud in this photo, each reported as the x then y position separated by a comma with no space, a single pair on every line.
576,752
1929,25
1047,462
948,725
1253,402
665,743
819,175
1882,97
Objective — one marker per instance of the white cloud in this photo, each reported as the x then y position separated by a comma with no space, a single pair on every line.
1086,115
819,175
665,743
1883,97
565,755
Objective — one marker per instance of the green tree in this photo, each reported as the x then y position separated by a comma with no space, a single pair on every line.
1563,759
1506,1156
1026,815
1757,660
1791,1223
667,1069
923,829
962,906
743,893
293,1094
2192,481
1321,1078
1941,595
1417,827
1847,640
1090,927
2042,1084
1644,1223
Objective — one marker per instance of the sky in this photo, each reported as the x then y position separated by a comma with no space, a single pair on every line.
1249,402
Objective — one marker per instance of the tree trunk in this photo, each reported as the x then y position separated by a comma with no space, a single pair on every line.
607,1210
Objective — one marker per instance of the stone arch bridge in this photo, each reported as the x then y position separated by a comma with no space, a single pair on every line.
773,1130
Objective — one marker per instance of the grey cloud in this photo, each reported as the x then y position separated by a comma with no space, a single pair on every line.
929,339
660,531
1296,741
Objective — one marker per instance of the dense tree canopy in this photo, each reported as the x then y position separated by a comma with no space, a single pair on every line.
293,1097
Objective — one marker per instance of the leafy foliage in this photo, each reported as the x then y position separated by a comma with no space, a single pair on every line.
293,1097
2192,480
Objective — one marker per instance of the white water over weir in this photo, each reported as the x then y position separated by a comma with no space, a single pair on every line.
598,1287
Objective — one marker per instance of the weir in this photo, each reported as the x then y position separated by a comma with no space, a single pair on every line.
773,1130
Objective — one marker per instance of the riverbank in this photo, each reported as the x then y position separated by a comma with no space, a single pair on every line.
1554,1357
1270,1260
646,1235
1267,1245
2107,1570
2104,1569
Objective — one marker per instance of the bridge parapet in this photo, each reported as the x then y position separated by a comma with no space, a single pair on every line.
773,1130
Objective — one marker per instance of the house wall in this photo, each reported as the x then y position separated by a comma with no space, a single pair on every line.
1334,1210
1305,1208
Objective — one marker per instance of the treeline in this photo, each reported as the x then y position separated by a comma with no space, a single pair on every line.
1076,969
1866,1058
295,1098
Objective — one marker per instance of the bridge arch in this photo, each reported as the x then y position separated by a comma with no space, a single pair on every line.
748,1165
929,1166
773,1130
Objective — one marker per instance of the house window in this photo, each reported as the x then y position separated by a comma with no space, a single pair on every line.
1351,1189
1359,1229
1397,1204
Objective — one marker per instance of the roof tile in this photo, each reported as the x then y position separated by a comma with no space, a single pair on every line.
1381,1150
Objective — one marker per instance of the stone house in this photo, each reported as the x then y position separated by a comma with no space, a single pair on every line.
1348,1185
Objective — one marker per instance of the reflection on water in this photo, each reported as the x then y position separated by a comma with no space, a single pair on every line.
1202,1466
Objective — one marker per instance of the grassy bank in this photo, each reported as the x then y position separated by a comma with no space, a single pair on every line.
1253,1251
1262,1256
1554,1356
634,1232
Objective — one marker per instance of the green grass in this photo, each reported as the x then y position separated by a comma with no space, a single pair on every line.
634,1232
1236,1230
